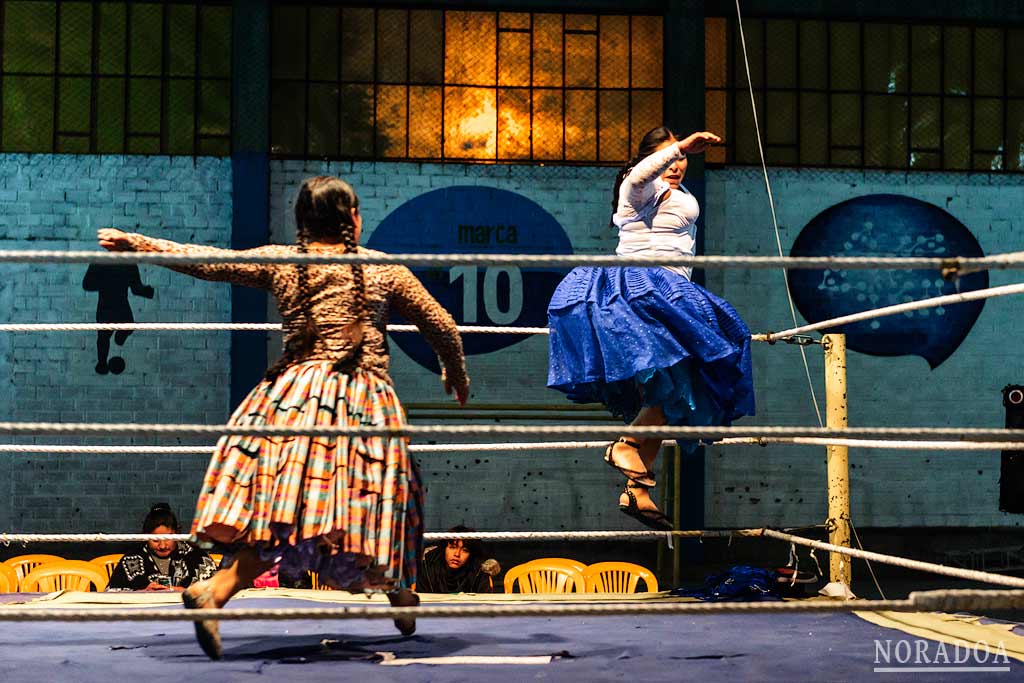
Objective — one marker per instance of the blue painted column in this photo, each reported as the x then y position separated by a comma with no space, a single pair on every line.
250,174
684,113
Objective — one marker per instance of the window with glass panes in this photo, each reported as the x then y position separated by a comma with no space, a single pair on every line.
367,83
115,77
868,94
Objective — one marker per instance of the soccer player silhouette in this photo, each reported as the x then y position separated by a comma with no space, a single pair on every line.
113,282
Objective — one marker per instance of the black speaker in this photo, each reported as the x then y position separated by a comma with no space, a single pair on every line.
1011,469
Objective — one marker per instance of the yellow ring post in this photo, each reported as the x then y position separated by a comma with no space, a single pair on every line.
838,459
662,569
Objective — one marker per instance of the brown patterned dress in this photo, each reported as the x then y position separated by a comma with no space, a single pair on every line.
348,509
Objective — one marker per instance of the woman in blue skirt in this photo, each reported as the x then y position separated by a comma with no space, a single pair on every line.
648,343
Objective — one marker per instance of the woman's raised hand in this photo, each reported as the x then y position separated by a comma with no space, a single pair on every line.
698,142
113,239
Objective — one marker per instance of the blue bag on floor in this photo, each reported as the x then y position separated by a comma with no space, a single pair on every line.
739,583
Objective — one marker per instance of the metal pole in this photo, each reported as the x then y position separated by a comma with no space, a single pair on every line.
677,522
662,569
838,459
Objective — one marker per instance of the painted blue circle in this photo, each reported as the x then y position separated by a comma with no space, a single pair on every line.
888,225
470,220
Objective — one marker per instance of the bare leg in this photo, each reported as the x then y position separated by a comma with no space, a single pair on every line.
215,591
649,416
240,574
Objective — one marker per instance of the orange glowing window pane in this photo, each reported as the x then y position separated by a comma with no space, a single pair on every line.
513,58
580,22
547,124
613,125
614,49
580,134
647,49
714,53
391,133
580,60
470,123
646,113
514,20
513,123
715,103
469,48
424,122
547,50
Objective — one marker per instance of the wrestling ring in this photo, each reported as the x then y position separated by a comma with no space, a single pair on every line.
545,636
651,635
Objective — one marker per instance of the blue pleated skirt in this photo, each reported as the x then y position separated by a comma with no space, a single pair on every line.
634,337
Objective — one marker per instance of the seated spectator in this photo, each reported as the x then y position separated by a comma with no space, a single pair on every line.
457,566
161,565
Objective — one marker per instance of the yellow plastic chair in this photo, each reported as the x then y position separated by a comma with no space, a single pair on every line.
68,575
23,564
107,562
559,562
618,577
540,577
8,579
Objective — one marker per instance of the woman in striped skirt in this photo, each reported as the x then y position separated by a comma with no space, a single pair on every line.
349,509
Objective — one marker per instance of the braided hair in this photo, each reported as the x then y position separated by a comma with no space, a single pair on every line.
649,144
324,210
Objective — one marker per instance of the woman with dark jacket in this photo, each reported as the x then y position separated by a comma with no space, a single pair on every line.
457,566
161,565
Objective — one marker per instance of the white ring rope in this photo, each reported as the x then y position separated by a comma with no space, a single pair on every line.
951,264
944,570
869,443
932,302
430,431
236,327
496,536
947,601
558,446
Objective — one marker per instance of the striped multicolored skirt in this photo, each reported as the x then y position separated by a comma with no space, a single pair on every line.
349,509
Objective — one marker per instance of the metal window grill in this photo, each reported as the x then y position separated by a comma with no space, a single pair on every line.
370,83
862,94
115,77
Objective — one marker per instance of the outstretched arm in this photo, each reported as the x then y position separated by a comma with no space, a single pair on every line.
246,274
412,300
639,184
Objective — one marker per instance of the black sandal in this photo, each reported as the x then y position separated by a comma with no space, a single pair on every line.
653,519
640,477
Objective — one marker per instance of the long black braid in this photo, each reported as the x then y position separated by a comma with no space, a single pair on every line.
359,303
653,139
323,210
